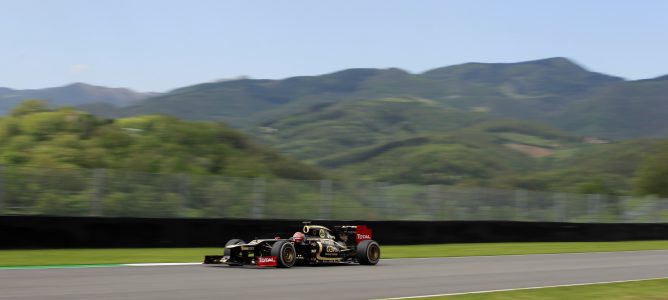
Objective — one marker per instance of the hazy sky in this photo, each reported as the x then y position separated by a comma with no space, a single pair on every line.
160,45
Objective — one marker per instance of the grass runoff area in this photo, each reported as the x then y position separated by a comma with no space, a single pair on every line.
635,290
47,257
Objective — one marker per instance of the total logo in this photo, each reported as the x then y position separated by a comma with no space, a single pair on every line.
266,259
363,237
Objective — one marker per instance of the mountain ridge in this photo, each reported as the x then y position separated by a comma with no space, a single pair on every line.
546,90
556,91
72,94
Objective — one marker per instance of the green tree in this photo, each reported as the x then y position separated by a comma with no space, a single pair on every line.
30,106
652,176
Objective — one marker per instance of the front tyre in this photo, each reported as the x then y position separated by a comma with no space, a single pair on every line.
368,252
285,254
226,251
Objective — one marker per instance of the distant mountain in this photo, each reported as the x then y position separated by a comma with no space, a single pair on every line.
625,109
244,101
539,78
329,129
72,95
553,90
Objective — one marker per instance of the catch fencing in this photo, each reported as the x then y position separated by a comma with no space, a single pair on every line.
113,193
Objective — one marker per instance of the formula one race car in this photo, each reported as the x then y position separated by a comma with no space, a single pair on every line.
313,245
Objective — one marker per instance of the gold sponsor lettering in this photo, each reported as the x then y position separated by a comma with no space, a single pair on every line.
318,255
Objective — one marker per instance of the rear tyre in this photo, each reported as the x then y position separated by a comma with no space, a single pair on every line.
226,252
285,254
368,252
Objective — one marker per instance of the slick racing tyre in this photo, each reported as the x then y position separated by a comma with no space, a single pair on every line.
368,252
226,252
285,254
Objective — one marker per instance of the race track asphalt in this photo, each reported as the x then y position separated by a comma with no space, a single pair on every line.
390,278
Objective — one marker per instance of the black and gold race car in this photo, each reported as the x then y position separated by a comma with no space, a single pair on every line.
313,245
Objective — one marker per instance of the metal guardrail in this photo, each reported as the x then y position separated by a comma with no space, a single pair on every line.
113,193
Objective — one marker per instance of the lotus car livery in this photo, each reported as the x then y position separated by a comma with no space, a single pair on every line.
313,245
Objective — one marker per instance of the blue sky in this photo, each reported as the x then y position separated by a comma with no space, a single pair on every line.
161,45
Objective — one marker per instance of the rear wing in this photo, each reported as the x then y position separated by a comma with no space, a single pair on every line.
354,234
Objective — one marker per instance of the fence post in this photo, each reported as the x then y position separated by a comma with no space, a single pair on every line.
325,199
663,203
482,207
257,211
594,207
2,190
434,202
656,209
184,192
520,205
444,193
662,214
624,208
381,200
616,209
559,207
98,182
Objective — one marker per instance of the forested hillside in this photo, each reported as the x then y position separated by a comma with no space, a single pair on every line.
329,129
414,140
395,140
35,135
623,110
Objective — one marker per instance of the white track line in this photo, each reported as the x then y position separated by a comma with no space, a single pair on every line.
418,258
162,264
529,254
520,289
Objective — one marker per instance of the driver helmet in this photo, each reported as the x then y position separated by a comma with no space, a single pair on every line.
298,237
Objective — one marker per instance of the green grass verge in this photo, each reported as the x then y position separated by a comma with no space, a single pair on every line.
158,255
646,289
102,256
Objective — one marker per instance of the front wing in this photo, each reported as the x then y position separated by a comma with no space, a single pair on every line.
248,254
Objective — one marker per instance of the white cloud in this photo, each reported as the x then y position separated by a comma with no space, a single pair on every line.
78,68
